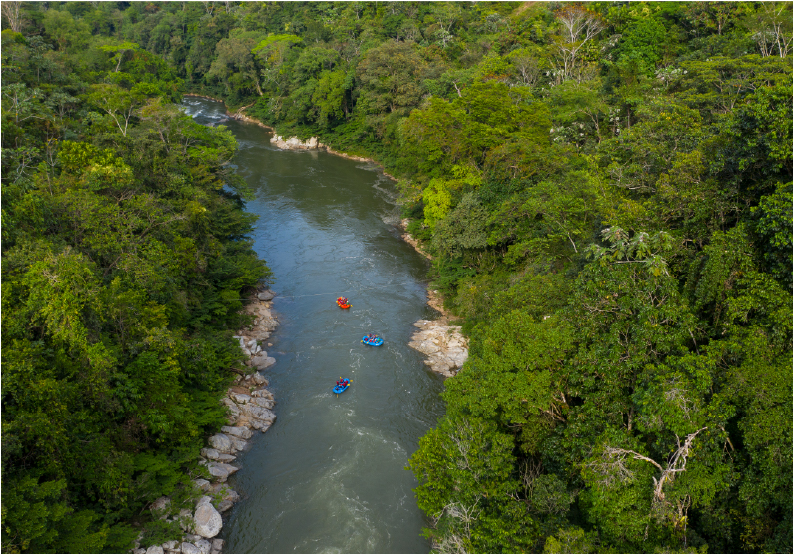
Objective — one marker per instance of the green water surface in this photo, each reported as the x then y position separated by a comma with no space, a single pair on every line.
329,476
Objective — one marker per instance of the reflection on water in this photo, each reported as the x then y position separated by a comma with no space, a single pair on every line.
329,476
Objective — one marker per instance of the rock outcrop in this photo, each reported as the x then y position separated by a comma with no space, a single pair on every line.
208,521
444,345
294,143
264,324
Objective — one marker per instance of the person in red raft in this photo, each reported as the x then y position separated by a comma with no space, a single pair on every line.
342,383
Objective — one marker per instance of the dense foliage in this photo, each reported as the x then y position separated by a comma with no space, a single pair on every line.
606,189
125,259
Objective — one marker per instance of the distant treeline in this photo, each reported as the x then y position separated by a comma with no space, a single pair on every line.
606,189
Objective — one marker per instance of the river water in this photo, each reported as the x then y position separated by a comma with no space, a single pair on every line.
329,476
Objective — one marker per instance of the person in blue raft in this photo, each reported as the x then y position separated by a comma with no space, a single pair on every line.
372,339
341,385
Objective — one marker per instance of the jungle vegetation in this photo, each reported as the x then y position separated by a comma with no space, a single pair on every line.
605,187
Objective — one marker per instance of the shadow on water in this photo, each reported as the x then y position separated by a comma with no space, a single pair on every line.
329,476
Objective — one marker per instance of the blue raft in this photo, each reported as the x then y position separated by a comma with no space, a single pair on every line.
341,388
376,343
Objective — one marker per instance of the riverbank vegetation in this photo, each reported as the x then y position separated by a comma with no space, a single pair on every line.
125,259
606,189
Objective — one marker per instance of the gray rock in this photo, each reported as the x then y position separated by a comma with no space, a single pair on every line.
224,458
221,443
266,295
226,496
261,425
139,551
217,543
264,402
262,361
258,379
208,521
155,549
210,453
189,548
204,546
238,431
173,544
255,411
192,538
241,398
221,471
223,505
234,410
237,443
262,393
203,485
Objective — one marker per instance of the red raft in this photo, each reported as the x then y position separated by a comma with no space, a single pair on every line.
343,302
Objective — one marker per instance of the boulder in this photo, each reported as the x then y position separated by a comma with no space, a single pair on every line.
241,398
172,545
208,521
226,497
234,410
221,443
210,453
261,425
189,548
266,295
139,551
217,543
255,411
202,484
221,471
239,431
224,458
242,421
204,546
155,549
237,443
223,505
264,403
262,361
192,538
262,393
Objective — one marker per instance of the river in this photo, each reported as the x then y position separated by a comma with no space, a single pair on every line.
329,476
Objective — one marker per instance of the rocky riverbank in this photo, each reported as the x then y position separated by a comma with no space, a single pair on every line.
444,345
446,348
250,405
